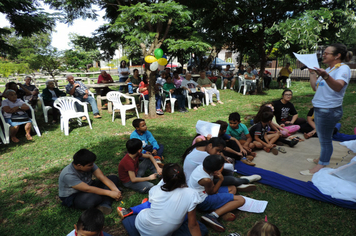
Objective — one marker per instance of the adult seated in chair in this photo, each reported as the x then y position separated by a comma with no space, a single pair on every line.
208,87
228,76
13,106
284,74
191,88
105,78
32,99
50,94
267,78
241,70
81,92
135,79
250,80
21,93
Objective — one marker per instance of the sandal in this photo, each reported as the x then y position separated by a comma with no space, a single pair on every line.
247,162
274,151
281,149
298,138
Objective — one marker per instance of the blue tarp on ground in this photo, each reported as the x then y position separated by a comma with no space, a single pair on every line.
306,189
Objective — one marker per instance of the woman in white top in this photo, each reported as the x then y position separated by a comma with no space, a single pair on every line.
14,105
123,72
330,86
170,203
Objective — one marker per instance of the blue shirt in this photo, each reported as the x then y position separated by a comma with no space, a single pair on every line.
236,133
146,138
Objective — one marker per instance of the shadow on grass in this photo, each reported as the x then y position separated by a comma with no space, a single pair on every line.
32,199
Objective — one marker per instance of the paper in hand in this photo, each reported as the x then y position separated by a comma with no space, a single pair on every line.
309,60
204,128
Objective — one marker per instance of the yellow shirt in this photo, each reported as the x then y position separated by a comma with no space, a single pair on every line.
286,72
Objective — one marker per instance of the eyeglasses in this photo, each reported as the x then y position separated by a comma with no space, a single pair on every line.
288,94
327,53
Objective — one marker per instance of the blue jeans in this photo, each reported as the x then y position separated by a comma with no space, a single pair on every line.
158,100
181,100
91,101
325,121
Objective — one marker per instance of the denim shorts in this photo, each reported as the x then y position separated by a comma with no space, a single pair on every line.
215,201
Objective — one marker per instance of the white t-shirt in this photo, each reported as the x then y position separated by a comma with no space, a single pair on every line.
191,84
8,103
192,160
198,174
120,70
160,81
167,211
324,96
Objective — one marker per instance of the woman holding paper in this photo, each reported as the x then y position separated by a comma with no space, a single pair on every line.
330,86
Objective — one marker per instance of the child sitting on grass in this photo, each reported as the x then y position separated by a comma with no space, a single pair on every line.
259,135
131,172
172,208
217,200
78,190
149,143
236,129
91,222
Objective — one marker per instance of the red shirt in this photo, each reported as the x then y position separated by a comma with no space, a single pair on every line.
128,164
107,78
143,85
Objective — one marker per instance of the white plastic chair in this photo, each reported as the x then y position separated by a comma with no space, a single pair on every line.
144,102
207,95
45,108
289,82
6,136
115,98
169,98
189,99
67,107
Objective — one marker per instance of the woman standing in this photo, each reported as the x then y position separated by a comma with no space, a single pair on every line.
330,86
123,73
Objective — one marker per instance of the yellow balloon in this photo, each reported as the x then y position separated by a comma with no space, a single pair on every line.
162,61
150,59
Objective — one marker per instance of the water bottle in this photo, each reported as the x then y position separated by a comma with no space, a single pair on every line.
130,88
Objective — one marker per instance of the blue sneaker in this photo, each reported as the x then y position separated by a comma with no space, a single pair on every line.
213,222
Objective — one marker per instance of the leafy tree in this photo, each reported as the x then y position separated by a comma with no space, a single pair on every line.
26,18
147,25
50,62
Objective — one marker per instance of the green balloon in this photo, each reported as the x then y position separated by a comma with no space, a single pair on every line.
158,53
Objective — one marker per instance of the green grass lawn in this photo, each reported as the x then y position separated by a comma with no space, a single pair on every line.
29,170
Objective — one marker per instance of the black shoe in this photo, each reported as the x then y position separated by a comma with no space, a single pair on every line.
293,142
213,222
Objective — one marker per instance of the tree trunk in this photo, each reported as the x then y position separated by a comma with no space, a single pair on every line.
151,93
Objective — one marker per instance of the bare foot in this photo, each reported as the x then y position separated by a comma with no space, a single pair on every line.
228,216
250,158
15,140
213,104
316,168
306,136
220,102
266,149
195,108
29,137
253,154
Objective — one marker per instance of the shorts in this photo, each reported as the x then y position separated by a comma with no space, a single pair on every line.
16,123
215,201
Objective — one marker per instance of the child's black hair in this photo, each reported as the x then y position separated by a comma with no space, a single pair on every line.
145,78
264,228
133,145
235,116
91,220
173,177
266,116
213,163
84,157
223,124
136,122
216,142
263,108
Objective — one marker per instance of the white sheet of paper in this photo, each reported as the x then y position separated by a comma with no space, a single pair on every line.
309,60
254,206
205,128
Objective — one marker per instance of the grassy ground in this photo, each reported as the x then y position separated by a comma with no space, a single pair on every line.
29,170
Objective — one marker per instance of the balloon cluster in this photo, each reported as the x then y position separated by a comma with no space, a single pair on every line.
158,61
